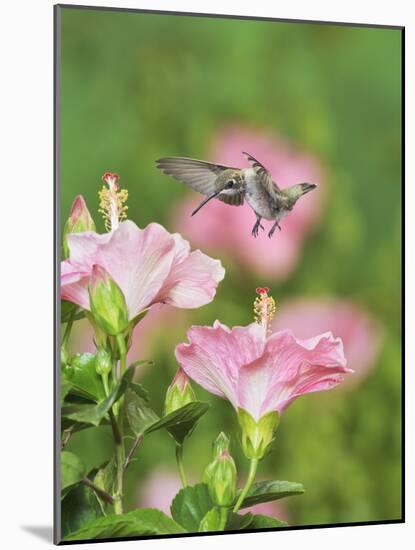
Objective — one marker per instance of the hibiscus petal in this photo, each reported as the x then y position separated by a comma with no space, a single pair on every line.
215,354
193,278
139,260
296,367
253,387
360,332
74,284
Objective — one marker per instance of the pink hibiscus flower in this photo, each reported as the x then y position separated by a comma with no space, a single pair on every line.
149,265
228,228
260,372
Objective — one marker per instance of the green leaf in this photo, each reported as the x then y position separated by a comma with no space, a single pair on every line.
65,386
266,491
68,308
237,522
72,426
190,506
79,507
139,415
181,422
84,380
212,521
144,521
138,388
93,414
72,469
264,522
105,476
139,363
139,317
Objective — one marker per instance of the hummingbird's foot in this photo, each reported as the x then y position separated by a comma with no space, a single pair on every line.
276,224
256,227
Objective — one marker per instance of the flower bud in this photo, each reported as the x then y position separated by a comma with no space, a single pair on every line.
257,436
103,362
220,445
79,220
221,478
107,302
179,393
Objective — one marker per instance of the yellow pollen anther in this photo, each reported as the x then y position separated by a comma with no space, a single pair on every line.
264,309
112,201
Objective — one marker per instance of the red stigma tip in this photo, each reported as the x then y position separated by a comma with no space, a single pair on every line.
108,175
262,290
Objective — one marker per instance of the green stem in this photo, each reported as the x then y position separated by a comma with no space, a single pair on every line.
105,384
120,457
180,465
115,430
251,476
131,452
103,495
123,353
120,451
223,517
68,329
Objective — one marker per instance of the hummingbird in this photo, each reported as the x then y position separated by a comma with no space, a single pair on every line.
235,185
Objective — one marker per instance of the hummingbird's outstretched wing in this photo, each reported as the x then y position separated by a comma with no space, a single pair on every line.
200,175
264,176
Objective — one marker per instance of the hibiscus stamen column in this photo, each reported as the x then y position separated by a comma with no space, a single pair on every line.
264,309
112,201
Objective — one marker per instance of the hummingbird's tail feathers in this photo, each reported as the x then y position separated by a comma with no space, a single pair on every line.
263,176
197,174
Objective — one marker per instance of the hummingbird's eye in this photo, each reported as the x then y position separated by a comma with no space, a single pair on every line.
230,184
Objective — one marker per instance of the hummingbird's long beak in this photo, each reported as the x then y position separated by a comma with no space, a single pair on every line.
307,187
212,196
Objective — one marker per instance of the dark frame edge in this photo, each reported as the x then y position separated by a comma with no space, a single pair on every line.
56,269
227,16
403,510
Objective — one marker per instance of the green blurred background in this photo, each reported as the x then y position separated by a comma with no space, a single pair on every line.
139,86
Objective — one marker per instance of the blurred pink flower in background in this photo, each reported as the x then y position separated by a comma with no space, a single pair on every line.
360,333
159,488
228,228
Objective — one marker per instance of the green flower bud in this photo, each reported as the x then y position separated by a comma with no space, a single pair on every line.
257,436
103,362
179,393
220,445
79,220
221,478
107,302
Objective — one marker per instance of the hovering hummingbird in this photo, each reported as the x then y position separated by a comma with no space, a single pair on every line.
234,185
